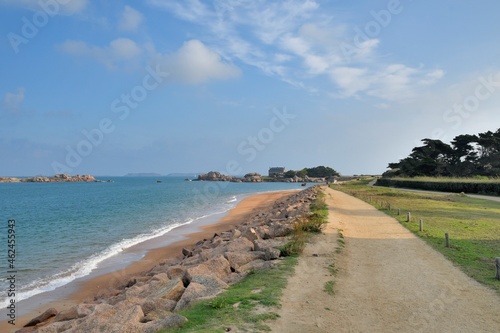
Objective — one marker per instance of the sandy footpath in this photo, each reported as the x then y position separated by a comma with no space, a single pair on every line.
388,281
90,288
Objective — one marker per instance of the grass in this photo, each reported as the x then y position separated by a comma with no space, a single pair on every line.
306,226
329,287
473,224
340,241
246,305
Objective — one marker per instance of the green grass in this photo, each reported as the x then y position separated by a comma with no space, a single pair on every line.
245,305
329,287
473,224
306,226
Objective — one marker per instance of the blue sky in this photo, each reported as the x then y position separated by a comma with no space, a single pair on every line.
113,87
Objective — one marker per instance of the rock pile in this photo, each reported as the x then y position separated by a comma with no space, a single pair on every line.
148,303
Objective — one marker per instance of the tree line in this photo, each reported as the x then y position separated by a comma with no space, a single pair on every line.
467,155
316,172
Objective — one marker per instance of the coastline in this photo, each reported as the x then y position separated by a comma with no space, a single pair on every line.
180,238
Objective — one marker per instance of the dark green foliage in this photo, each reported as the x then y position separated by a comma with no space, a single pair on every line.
468,155
316,172
443,186
321,171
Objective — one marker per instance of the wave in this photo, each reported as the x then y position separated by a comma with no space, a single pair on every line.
87,266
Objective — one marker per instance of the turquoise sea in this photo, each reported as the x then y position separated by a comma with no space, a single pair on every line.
65,231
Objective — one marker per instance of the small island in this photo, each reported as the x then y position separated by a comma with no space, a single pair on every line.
59,178
319,174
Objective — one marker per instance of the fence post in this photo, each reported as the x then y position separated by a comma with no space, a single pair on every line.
421,223
399,211
447,239
408,216
497,264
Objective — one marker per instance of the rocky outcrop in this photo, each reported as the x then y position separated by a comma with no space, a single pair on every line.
148,303
59,178
43,317
252,178
216,176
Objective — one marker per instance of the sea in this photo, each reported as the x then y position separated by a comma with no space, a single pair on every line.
67,231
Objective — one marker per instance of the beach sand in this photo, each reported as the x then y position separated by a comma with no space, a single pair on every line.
90,288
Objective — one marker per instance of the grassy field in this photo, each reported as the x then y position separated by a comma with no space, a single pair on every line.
473,225
245,306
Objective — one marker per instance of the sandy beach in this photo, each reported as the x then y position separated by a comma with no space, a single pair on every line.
90,288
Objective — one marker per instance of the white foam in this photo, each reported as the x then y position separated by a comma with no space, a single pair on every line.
85,267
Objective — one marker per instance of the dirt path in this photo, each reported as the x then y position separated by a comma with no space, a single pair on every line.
388,280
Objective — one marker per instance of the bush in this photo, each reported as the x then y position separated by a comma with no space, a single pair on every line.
441,185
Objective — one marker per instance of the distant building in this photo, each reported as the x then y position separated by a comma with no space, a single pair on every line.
277,171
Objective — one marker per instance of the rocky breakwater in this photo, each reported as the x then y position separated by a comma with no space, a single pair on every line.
60,178
149,302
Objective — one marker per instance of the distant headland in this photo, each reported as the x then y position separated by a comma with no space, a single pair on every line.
59,178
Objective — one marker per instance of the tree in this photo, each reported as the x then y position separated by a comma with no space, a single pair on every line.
302,173
468,155
321,172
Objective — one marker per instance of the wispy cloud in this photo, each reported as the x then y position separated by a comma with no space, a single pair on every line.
13,101
296,42
396,82
120,49
130,19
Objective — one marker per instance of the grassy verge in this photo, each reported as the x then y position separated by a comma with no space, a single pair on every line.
246,305
306,226
472,224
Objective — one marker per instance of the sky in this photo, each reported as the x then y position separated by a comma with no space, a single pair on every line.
237,86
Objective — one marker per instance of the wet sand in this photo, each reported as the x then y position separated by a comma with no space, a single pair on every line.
185,236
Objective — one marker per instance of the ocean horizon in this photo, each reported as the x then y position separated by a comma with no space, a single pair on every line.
66,231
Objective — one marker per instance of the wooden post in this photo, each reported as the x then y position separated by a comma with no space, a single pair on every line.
497,264
408,216
421,223
447,239
390,207
399,211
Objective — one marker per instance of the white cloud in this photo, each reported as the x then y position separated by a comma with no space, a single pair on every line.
194,63
351,80
130,19
13,100
400,82
55,8
297,41
120,49
191,10
395,82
